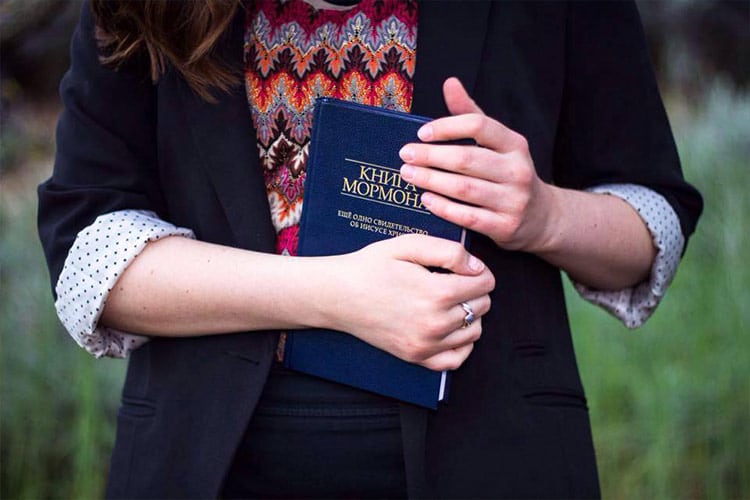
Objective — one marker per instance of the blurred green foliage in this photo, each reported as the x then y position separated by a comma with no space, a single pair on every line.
670,402
57,404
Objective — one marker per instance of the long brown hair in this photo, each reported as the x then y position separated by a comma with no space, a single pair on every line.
180,33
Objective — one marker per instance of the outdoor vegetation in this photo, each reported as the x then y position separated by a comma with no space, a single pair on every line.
669,402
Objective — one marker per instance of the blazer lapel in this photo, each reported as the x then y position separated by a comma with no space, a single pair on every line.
450,38
224,139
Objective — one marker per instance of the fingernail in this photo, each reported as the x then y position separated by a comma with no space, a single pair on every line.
407,172
425,132
475,264
406,153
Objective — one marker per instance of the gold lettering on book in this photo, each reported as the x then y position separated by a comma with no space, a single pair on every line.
376,225
382,185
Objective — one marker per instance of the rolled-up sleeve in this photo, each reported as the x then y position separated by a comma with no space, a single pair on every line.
100,254
634,305
613,137
105,163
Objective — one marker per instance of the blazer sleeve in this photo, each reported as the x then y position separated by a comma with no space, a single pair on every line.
106,149
613,128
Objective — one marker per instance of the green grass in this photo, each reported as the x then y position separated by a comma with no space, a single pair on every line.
670,403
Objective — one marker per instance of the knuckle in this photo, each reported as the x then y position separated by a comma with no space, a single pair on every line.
489,284
520,142
412,238
454,253
487,304
519,209
437,294
464,188
480,329
512,224
408,350
434,327
411,356
425,174
421,152
422,350
466,159
524,175
453,364
515,203
475,123
513,230
525,199
469,219
433,365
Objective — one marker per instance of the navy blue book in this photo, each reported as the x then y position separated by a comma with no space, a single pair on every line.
354,196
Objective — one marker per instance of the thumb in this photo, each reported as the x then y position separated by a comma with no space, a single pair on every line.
457,99
429,251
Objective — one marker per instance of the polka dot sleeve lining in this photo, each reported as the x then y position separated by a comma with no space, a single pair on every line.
633,306
99,255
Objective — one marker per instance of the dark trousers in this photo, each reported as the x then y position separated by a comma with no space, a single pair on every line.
310,438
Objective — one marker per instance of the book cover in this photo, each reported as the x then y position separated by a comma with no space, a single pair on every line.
354,196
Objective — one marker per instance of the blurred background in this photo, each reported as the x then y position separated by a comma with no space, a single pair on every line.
670,402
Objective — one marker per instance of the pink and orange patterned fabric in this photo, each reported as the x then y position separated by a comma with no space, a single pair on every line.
295,53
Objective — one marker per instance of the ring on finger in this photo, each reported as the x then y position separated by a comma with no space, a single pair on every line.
469,318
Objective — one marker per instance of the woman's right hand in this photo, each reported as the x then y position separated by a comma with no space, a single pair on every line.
385,295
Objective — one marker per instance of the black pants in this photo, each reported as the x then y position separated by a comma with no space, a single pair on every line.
315,439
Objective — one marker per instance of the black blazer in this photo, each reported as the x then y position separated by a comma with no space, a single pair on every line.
573,78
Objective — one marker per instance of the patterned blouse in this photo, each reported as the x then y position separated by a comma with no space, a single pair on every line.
293,54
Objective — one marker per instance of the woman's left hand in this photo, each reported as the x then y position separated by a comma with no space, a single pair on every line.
491,188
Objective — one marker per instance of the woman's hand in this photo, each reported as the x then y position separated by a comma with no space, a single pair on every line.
491,188
385,295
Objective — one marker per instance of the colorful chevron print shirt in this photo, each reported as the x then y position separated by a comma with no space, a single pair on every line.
295,53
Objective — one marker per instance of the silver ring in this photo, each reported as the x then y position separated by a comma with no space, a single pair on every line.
469,318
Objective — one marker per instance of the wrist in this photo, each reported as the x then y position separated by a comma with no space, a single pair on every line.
325,295
550,228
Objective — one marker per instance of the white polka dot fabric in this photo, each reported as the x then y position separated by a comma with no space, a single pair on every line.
99,255
633,306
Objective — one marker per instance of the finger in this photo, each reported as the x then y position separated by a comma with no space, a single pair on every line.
456,186
457,99
484,130
478,307
473,161
460,337
478,219
497,196
450,359
458,288
436,252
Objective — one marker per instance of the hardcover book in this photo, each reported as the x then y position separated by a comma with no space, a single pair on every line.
354,196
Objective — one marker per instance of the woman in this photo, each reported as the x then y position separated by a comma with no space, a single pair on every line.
567,85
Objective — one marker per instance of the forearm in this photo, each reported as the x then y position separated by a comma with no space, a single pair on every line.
178,286
598,239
